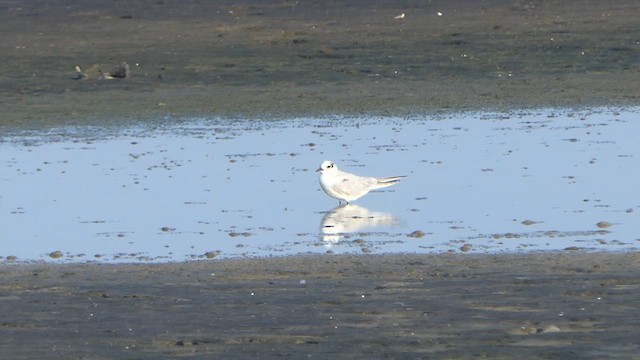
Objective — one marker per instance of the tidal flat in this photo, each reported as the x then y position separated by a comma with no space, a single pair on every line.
275,61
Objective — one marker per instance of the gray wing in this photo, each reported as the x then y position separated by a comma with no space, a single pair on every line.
352,185
387,181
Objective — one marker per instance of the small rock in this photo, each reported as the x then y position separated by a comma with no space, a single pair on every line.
211,254
12,258
528,222
366,250
187,342
465,247
603,224
236,234
121,72
525,330
416,234
55,254
551,329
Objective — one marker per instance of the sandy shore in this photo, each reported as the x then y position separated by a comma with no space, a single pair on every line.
281,59
560,305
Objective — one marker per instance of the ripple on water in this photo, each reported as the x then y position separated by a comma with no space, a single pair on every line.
210,188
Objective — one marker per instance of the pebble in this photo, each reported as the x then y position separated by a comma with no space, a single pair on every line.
236,234
551,329
211,254
55,254
525,330
416,234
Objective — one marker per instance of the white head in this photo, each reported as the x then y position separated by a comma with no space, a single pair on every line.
327,166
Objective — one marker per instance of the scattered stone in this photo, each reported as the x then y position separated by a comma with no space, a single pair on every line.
551,329
525,330
211,254
603,224
416,234
359,241
187,343
236,234
528,222
465,248
166,229
55,254
122,71
572,248
366,250
12,258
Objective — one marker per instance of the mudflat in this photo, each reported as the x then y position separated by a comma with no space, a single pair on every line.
539,305
283,59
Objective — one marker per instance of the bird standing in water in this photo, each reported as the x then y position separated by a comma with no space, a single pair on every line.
349,187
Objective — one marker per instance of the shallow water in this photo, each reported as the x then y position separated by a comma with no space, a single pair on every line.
488,182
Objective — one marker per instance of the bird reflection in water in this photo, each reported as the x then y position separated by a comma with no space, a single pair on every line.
350,218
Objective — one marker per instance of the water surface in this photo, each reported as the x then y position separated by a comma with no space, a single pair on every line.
204,188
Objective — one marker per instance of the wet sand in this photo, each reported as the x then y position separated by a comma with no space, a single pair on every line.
542,305
280,59
283,59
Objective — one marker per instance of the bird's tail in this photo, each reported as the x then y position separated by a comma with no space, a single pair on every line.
387,181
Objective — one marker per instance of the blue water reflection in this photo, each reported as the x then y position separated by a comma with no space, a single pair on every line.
496,182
